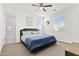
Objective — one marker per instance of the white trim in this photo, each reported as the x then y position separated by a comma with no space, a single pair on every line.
64,42
1,48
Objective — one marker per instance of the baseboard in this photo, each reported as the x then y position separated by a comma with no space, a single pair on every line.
64,42
18,41
0,49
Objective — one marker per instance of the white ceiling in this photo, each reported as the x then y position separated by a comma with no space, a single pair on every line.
27,8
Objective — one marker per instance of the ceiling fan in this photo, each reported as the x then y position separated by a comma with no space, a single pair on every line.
42,6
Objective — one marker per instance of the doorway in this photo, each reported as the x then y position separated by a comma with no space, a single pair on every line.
10,33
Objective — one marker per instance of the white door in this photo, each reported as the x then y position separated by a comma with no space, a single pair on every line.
10,34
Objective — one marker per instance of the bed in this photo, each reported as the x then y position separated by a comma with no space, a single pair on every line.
33,39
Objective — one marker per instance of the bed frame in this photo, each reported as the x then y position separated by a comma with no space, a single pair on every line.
26,29
33,29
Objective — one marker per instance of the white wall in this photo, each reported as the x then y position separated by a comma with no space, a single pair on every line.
21,23
71,31
71,19
2,27
21,20
71,24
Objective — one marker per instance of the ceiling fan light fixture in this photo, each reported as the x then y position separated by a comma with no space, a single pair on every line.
41,8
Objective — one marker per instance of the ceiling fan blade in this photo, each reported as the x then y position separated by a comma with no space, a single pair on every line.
34,5
47,5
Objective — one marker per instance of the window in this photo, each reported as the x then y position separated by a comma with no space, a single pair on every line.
58,23
40,23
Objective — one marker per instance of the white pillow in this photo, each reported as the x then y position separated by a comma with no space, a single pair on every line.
26,33
36,32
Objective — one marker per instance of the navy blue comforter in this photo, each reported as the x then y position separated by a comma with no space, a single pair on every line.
37,41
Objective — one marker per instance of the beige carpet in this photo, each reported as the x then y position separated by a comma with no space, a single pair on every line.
18,49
